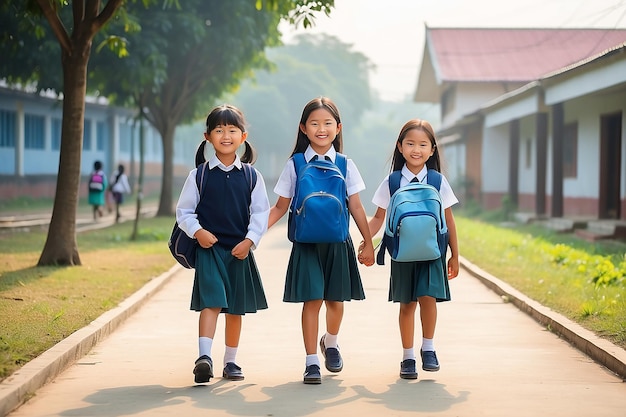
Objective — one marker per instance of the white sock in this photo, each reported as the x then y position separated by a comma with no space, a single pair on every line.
428,345
408,354
312,360
230,353
330,340
205,344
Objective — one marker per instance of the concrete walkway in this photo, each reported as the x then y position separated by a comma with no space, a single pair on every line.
495,360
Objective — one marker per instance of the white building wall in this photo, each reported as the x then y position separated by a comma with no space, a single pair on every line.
495,167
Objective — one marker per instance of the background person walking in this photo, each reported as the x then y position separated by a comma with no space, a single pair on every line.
119,187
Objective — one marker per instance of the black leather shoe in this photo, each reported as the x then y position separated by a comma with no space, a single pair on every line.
312,375
332,357
232,372
203,371
429,361
407,369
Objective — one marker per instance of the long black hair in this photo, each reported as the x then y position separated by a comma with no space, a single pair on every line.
302,142
225,115
398,160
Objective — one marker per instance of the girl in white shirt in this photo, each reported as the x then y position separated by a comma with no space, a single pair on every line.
228,217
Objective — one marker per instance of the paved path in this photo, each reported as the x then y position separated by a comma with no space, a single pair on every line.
495,361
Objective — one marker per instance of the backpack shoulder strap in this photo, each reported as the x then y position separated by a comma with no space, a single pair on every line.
298,161
342,163
394,181
433,177
250,173
200,174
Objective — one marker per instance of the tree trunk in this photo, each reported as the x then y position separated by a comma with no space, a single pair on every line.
61,247
166,203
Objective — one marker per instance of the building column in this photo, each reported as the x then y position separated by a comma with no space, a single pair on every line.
514,162
541,132
19,140
558,118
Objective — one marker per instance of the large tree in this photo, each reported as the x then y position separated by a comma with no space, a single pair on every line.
184,59
73,25
27,42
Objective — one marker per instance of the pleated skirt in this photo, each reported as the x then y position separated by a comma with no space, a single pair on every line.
323,271
410,280
223,281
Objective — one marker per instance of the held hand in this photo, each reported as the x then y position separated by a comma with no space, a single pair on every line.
205,238
453,267
366,254
242,249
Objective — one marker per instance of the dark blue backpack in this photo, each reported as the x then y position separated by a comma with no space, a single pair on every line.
319,208
183,247
415,228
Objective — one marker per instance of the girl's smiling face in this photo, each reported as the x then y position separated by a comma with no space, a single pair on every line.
226,140
416,148
321,128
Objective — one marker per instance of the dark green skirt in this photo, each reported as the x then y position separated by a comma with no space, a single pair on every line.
410,280
221,280
323,271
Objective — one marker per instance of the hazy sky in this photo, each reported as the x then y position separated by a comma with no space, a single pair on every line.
391,32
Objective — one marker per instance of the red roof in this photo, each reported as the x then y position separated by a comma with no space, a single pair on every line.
520,55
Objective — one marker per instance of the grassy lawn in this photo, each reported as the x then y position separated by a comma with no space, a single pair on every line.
41,306
581,280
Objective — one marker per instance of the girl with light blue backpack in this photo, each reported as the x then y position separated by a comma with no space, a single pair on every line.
416,156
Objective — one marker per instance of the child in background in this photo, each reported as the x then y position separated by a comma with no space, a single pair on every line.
322,273
425,283
228,219
97,189
119,187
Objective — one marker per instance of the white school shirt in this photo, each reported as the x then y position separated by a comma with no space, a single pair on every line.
190,197
122,185
286,184
382,197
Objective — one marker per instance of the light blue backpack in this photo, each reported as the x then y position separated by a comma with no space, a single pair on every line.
415,229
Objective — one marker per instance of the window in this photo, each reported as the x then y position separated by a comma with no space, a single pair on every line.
102,132
55,132
34,132
7,129
87,135
570,150
529,153
125,137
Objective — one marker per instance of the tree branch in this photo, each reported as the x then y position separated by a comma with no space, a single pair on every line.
57,26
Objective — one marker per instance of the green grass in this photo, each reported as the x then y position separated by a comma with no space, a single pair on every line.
583,281
41,306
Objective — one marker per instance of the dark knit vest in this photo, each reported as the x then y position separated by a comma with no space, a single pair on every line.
224,207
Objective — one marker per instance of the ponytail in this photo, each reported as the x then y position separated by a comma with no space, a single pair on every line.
249,155
200,159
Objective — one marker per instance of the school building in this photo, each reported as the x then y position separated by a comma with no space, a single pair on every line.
30,139
534,117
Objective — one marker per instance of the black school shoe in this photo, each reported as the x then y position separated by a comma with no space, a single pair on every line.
203,371
429,361
332,357
407,369
312,375
232,372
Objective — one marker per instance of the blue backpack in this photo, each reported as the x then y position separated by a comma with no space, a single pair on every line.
415,229
319,208
183,247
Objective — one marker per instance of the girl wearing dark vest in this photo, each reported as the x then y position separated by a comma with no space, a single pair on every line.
228,219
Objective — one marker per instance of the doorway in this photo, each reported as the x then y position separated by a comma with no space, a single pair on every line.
610,165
